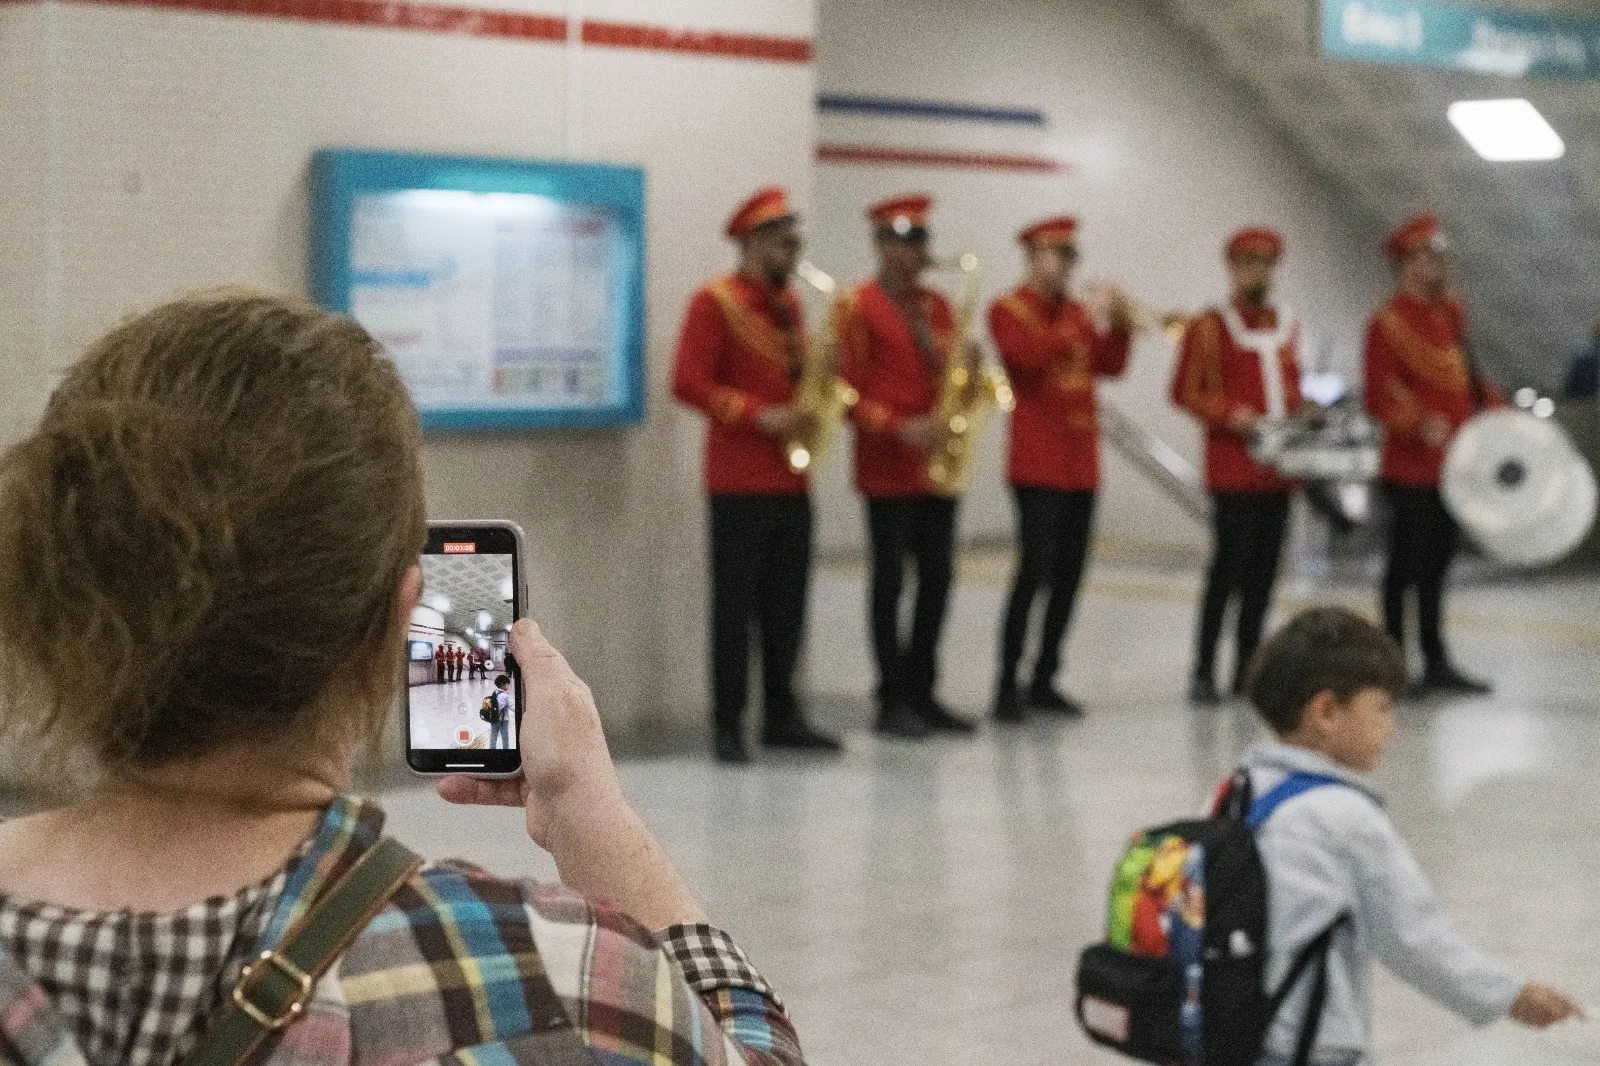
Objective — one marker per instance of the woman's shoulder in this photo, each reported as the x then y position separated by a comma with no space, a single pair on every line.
461,958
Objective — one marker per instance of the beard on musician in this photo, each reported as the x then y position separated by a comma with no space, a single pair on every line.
1250,277
770,253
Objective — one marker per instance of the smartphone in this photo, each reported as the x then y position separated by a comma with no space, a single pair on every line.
464,693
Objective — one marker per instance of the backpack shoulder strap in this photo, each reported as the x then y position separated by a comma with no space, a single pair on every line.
1314,953
275,988
1295,784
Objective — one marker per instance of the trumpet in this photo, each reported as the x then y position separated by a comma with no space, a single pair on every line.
1105,301
970,392
821,393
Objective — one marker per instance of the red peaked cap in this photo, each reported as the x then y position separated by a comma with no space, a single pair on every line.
902,213
1421,232
768,205
1261,240
1050,232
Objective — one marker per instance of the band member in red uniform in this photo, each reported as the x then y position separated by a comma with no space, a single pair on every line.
895,340
1053,354
1421,386
739,356
1237,369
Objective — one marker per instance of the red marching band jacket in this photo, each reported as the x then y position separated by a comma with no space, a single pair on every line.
1215,378
736,359
879,356
1053,354
1416,366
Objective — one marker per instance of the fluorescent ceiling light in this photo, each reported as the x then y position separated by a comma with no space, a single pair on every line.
1506,130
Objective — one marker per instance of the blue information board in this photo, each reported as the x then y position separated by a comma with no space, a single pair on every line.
1508,42
509,294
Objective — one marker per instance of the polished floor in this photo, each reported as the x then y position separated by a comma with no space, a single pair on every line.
446,715
924,904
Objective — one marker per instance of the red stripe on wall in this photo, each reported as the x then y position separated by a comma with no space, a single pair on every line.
932,157
406,15
702,42
490,22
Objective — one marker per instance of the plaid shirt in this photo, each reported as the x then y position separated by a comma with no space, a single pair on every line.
461,967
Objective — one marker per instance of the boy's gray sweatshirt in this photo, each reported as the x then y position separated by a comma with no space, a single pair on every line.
1331,850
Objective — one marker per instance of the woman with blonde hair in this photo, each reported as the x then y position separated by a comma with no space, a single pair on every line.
208,556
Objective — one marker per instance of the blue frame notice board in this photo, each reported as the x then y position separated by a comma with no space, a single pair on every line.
510,294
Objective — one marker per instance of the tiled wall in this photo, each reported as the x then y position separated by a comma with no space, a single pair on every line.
180,161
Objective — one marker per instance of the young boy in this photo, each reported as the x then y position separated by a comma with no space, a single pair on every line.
1325,683
500,728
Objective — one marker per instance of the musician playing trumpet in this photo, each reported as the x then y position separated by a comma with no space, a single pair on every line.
1053,353
896,339
1237,374
740,355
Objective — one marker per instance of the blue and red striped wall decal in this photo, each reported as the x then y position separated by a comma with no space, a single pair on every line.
895,107
883,155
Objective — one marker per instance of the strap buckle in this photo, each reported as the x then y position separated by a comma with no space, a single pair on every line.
292,1009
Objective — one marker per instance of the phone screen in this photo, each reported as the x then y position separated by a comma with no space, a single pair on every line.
464,692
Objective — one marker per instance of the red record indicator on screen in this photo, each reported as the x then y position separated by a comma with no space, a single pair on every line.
464,735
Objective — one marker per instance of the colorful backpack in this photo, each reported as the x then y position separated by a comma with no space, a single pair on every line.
1180,979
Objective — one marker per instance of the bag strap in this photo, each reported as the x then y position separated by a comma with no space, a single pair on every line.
1295,784
274,989
1316,951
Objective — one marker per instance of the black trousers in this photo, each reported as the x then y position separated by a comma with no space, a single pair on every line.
1053,529
1423,539
1248,528
760,569
919,529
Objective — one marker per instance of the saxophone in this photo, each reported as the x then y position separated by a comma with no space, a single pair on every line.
971,391
821,392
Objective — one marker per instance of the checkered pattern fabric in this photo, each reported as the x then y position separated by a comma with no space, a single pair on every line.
133,988
710,959
460,968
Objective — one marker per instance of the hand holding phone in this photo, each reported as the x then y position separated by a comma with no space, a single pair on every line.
464,690
566,763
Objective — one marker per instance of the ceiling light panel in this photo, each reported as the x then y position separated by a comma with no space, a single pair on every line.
1506,131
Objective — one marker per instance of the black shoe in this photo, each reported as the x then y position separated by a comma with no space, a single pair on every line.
941,720
1046,698
729,747
798,734
1008,705
1450,681
1203,692
901,721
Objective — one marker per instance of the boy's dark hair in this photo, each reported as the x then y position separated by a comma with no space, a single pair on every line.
1325,649
502,681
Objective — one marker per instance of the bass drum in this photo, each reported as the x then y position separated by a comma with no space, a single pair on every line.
1519,488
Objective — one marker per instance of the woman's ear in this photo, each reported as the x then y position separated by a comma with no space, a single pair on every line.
409,591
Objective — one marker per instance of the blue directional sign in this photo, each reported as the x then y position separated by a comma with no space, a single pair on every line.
1487,40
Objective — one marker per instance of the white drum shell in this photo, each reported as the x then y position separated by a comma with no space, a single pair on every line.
1527,521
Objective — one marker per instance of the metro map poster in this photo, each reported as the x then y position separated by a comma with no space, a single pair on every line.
510,295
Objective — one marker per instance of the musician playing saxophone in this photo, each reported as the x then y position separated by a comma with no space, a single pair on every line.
896,338
1421,386
1237,370
1053,353
740,355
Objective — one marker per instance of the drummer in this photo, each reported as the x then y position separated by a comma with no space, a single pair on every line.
1422,385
